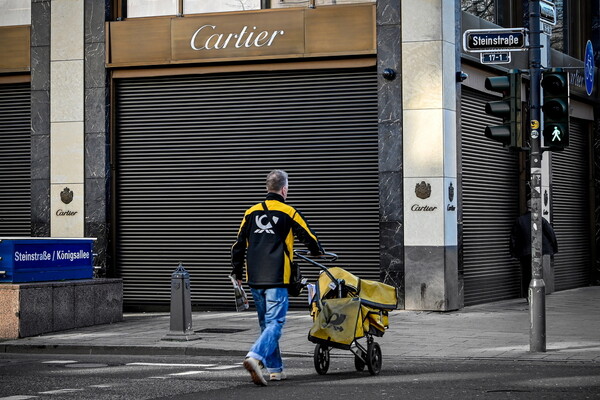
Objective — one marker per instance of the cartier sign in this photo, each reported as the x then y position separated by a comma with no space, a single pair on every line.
209,37
250,35
232,36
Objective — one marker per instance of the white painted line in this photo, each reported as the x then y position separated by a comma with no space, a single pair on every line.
171,365
104,386
222,367
59,362
188,373
18,397
61,391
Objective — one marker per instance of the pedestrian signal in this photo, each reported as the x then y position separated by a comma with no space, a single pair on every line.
555,83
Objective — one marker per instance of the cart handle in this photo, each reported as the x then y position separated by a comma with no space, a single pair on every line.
303,254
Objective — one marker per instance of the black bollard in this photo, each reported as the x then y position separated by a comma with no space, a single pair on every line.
181,307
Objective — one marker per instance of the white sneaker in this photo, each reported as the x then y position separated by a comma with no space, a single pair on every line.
252,365
278,376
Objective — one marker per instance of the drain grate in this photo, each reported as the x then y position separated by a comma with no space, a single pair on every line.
220,330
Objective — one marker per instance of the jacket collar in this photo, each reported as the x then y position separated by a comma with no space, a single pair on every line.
275,196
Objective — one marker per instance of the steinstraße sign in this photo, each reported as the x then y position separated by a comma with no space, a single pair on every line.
488,40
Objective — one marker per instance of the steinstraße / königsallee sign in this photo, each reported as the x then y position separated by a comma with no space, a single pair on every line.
45,259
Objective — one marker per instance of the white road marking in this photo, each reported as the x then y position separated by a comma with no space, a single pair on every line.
18,397
187,373
61,391
59,362
222,367
171,365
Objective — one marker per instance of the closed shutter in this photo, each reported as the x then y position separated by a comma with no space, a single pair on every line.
570,210
490,200
193,153
15,160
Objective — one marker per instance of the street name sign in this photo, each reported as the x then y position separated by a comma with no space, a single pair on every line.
490,40
495,58
547,12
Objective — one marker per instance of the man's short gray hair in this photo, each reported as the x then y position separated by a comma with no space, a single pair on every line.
277,180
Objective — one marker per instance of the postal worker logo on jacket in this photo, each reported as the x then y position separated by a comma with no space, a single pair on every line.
262,227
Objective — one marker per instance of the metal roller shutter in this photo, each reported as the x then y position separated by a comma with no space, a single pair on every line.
490,205
15,160
570,210
193,153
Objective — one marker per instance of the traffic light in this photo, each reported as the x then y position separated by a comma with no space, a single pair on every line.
556,109
509,109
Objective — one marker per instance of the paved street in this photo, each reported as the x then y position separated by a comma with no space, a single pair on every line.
82,377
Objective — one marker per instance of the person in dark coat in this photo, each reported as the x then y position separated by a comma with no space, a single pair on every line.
520,244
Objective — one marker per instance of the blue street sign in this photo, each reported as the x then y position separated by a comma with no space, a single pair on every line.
45,259
588,69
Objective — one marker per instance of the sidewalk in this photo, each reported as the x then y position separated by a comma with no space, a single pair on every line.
491,331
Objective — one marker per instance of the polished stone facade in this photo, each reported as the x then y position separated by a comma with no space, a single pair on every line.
96,129
40,118
429,159
391,225
90,110
42,307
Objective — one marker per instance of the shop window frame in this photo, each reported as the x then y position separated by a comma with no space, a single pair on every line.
119,8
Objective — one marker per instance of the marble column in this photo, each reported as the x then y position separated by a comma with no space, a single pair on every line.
391,227
96,128
430,147
40,118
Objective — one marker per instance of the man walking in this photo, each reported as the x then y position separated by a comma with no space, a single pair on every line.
265,241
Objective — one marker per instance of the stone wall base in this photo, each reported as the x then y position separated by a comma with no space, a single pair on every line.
30,309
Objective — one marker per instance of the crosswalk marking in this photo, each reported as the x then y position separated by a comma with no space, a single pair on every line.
147,364
59,362
61,391
18,397
187,373
223,367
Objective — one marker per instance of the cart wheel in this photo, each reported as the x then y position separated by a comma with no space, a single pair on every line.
359,364
321,358
374,358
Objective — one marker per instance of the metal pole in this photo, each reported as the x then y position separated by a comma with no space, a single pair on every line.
537,289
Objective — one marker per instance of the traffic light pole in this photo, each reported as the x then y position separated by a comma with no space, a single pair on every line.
537,289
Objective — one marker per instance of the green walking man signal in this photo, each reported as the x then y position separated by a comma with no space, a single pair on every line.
555,83
509,133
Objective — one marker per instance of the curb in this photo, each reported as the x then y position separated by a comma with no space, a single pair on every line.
196,352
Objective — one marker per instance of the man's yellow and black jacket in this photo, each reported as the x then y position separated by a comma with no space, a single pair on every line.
267,264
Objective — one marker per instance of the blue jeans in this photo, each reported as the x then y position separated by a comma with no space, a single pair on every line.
271,306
